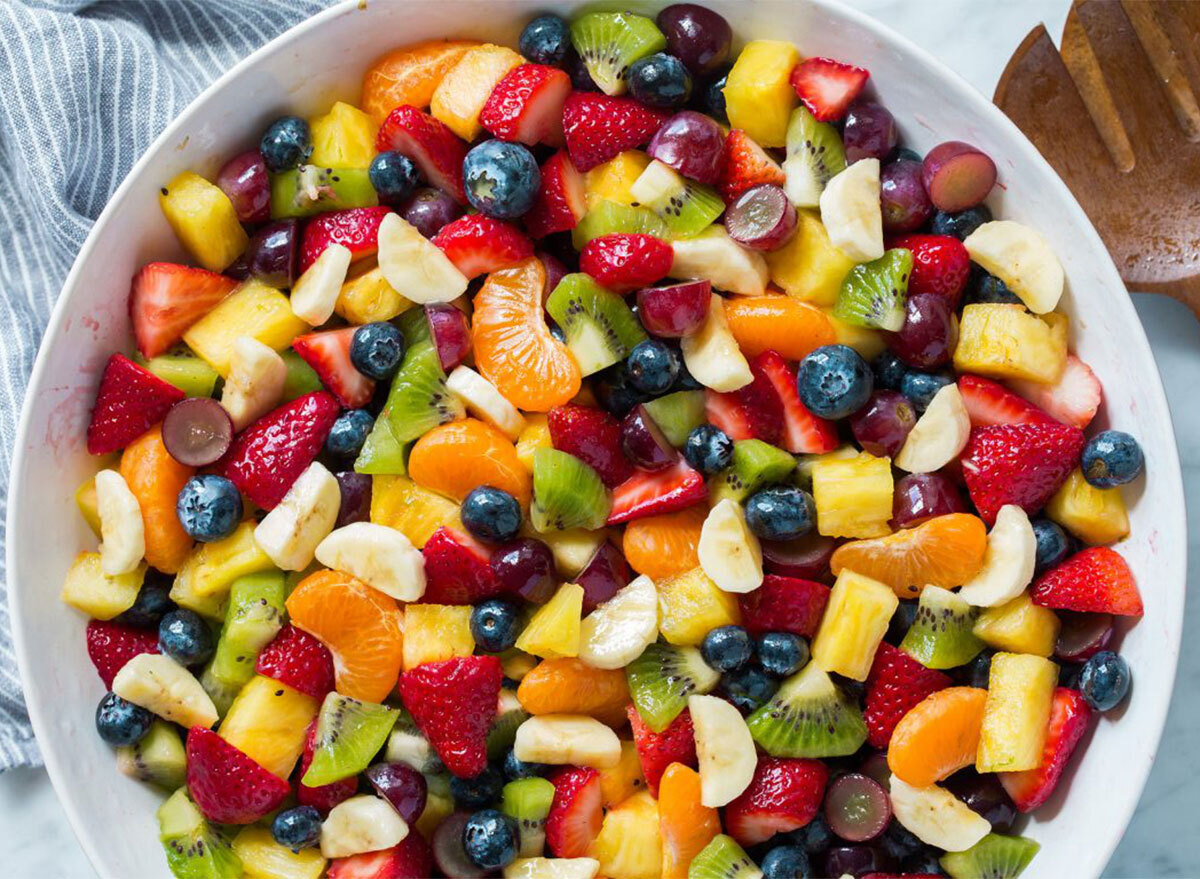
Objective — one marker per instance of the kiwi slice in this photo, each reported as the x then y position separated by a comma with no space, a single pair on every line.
349,734
599,326
527,801
677,414
993,857
611,218
414,326
814,157
873,293
509,715
608,42
808,717
418,400
567,493
301,378
753,465
662,678
184,370
685,206
254,617
942,635
383,454
158,759
407,744
195,849
723,858
309,189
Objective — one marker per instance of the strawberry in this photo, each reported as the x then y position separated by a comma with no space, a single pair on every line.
1073,399
989,402
1022,464
594,437
1069,716
165,299
454,703
325,796
267,456
110,645
941,265
784,604
784,795
356,228
228,786
745,164
296,658
1097,580
751,412
527,105
576,812
560,201
827,87
411,859
477,244
657,751
599,127
648,493
457,570
131,400
435,149
895,685
803,432
328,353
626,262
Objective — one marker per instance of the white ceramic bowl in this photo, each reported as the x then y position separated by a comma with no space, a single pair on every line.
322,60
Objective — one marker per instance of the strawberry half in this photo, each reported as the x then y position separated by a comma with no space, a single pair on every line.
526,106
895,685
110,645
356,228
165,299
576,812
989,402
1073,399
296,658
131,400
784,604
328,353
1022,464
1097,580
745,164
325,796
560,201
648,493
454,703
1069,716
784,795
594,437
751,412
411,859
435,149
625,262
803,432
657,751
827,87
457,570
599,127
227,785
941,265
477,244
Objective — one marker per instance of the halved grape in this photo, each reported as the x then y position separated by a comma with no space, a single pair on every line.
356,498
921,496
555,270
450,333
805,557
762,218
697,36
882,426
605,574
429,210
400,785
876,767
448,852
692,144
273,254
926,338
869,132
1083,635
857,807
643,442
197,431
675,311
984,795
854,860
244,179
957,176
905,203
525,567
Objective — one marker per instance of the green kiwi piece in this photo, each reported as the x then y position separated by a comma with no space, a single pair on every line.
195,849
873,293
723,858
418,400
608,42
662,678
677,414
407,744
567,493
222,692
158,759
309,189
414,326
254,617
942,635
527,801
382,453
754,465
685,206
349,734
814,157
808,717
509,715
599,326
301,378
184,370
993,857
611,218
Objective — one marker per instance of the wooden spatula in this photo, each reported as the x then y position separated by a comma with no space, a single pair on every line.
1116,114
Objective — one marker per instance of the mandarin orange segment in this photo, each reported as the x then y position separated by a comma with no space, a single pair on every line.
664,546
362,627
777,323
410,74
155,478
945,551
569,686
938,737
454,458
514,349
686,825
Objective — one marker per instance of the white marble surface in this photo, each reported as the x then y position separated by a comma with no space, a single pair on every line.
975,38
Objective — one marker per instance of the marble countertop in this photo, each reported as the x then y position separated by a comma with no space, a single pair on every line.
974,38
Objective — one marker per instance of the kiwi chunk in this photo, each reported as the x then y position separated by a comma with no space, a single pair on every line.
184,370
942,634
567,493
407,744
685,206
873,293
815,155
808,717
723,858
509,716
677,414
195,849
158,759
418,400
254,617
993,857
383,454
611,218
301,378
608,42
414,326
754,465
662,678
599,326
349,734
527,801
310,189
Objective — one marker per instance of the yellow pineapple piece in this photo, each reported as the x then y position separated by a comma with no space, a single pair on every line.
204,220
368,298
1006,341
853,496
690,605
212,567
612,180
459,98
536,435
268,721
1013,733
808,266
1019,626
855,621
1094,515
806,463
554,629
263,858
89,589
343,138
623,780
758,97
254,310
416,512
439,805
434,632
85,499
629,845
572,549
866,341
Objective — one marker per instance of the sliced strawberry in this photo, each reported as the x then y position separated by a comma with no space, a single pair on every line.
296,658
599,127
477,244
576,812
624,262
663,491
526,106
827,87
895,685
657,751
1022,464
435,149
594,437
803,432
1073,399
1097,580
751,412
784,604
941,265
454,703
989,402
457,570
356,228
111,644
227,785
745,164
1069,716
328,353
411,859
560,202
165,299
131,400
784,795
325,796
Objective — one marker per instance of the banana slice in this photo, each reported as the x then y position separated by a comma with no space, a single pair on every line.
316,291
1021,258
289,534
381,557
617,632
1009,561
712,355
122,533
414,266
163,686
729,552
552,868
851,212
485,402
567,738
937,817
715,257
940,434
725,749
361,824
255,382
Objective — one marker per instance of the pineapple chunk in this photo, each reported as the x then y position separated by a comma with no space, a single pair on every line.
855,621
268,722
613,180
808,266
204,220
89,589
690,605
369,298
416,512
1006,341
439,805
459,98
263,858
806,463
1019,626
629,845
536,435
623,780
1015,715
211,569
435,632
866,341
555,629
572,549
853,496
343,138
85,499
254,310
1094,515
758,97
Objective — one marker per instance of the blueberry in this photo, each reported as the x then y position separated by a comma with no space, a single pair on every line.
490,839
1112,458
377,349
686,381
184,636
985,288
660,80
748,688
1104,680
709,449
713,96
1053,547
121,723
786,862
516,768
297,828
581,77
477,792
782,653
501,179
286,143
979,670
899,842
546,40
349,432
962,223
1068,675
889,371
495,625
815,836
920,387
727,647
834,381
615,391
652,367
902,619
491,514
394,177
905,154
209,507
152,602
927,862
782,512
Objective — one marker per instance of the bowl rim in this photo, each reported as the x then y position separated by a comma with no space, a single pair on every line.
957,90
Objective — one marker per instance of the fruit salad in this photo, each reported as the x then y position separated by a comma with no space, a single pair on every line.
613,456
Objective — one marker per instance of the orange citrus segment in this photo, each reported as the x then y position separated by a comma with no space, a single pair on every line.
777,323
155,478
568,686
454,458
685,824
938,737
410,74
664,546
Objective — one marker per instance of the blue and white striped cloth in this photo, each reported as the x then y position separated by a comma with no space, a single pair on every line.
85,87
